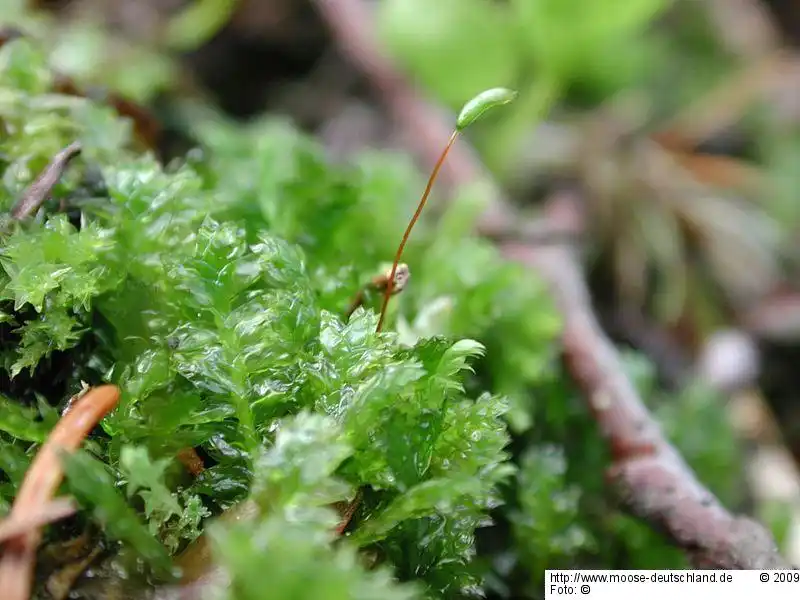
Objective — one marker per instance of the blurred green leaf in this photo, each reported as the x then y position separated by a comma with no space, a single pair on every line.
455,48
90,481
21,422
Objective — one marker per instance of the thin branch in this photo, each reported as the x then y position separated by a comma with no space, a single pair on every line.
776,317
40,483
9,34
537,232
53,511
348,511
656,483
60,583
40,189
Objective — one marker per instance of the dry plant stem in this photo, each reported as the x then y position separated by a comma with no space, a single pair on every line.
61,582
657,484
56,510
9,34
40,483
38,191
349,512
775,318
744,26
191,461
146,127
536,232
390,283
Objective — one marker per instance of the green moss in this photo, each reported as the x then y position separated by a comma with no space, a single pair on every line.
212,292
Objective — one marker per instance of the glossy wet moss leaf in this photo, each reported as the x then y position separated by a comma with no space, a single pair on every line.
294,483
257,553
300,467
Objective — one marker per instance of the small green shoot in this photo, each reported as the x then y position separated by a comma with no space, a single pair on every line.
471,112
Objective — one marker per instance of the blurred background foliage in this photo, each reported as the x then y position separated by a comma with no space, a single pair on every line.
675,117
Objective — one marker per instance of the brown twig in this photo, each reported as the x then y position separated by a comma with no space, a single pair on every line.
40,483
9,34
744,26
657,485
55,510
776,317
38,191
147,129
348,512
536,232
191,461
61,582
